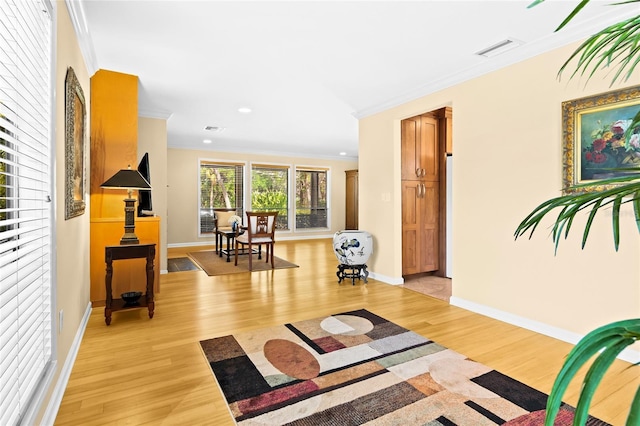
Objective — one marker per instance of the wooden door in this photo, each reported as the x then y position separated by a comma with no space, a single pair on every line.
419,227
410,154
351,201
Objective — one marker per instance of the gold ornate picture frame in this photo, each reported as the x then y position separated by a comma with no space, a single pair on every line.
75,115
593,141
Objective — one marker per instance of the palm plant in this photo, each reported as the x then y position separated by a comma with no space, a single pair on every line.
617,47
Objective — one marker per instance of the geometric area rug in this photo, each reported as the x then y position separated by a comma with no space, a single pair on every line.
357,368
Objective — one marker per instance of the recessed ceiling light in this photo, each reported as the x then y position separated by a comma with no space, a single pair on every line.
244,110
206,141
343,153
216,129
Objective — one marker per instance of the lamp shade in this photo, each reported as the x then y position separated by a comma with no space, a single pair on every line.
126,179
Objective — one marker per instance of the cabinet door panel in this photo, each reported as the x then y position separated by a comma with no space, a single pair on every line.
429,148
428,234
410,148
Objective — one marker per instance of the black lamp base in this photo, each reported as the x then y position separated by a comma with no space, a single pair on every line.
129,236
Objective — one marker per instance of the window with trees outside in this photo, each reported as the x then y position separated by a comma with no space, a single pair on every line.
221,186
270,191
311,198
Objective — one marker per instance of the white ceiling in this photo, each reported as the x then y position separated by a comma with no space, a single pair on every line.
308,69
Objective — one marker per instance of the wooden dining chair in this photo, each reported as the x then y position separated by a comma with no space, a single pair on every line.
260,229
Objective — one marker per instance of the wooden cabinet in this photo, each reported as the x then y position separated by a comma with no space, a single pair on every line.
351,202
421,144
420,148
420,234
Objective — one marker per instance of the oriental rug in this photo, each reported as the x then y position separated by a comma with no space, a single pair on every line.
357,368
213,264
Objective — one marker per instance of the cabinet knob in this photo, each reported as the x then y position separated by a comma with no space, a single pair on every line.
418,172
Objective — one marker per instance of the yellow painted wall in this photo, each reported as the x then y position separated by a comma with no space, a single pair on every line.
507,154
183,181
114,137
152,138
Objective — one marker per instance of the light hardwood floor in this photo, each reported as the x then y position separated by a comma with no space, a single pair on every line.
139,371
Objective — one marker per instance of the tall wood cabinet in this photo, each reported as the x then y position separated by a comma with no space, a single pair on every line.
420,194
351,201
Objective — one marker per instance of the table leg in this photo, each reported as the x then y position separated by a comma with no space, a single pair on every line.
229,247
109,298
150,303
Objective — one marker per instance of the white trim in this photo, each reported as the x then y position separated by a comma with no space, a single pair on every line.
154,113
212,242
628,355
386,279
79,21
58,392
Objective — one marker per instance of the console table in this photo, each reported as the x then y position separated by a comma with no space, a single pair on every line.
129,251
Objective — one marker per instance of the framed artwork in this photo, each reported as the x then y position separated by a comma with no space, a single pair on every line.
593,141
75,116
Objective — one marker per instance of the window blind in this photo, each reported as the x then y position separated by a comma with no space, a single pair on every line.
311,197
221,186
25,208
270,191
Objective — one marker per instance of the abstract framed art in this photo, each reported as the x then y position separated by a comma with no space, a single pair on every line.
75,117
594,146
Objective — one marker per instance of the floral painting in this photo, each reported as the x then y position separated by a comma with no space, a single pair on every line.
594,141
603,144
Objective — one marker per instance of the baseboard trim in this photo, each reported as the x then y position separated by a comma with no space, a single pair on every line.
51,412
628,355
279,238
386,279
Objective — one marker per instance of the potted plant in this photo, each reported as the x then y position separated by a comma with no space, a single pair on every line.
617,46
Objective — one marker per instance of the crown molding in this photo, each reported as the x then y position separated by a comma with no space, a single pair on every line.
76,13
567,35
154,113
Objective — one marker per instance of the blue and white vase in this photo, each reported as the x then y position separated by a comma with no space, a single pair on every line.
353,247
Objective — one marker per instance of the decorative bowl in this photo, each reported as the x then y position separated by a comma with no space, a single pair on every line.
131,297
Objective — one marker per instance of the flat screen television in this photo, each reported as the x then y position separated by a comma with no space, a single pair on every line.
145,207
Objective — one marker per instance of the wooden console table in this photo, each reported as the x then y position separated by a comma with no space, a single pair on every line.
130,251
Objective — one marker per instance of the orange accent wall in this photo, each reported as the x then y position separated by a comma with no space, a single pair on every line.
114,137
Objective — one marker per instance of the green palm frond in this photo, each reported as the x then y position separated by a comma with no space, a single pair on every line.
617,45
607,341
626,189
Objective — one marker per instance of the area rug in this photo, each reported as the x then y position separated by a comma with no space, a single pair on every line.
213,264
357,368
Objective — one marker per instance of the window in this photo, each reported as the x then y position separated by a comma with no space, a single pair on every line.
221,186
270,191
26,334
311,198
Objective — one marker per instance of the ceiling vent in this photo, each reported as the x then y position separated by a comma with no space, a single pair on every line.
216,129
499,48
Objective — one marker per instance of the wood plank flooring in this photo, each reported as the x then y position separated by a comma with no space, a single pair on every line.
139,371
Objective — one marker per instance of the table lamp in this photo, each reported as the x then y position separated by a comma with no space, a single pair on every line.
128,179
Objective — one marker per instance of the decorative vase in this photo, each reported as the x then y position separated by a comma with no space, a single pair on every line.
234,226
353,247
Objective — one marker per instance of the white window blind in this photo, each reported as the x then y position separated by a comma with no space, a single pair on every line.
25,208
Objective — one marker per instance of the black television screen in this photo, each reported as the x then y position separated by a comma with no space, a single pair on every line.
145,208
